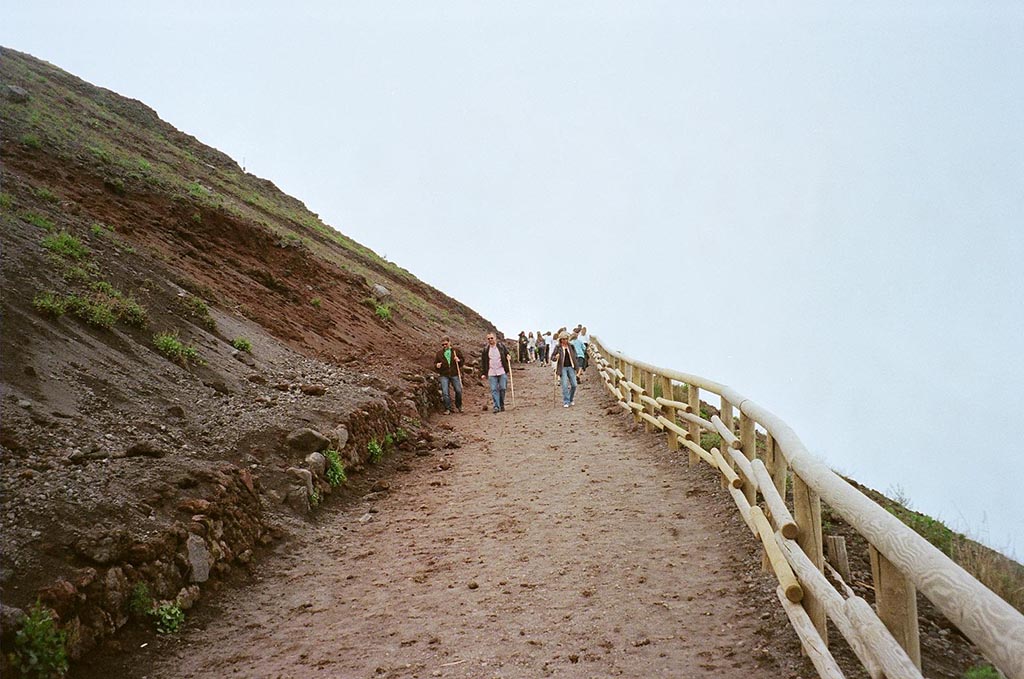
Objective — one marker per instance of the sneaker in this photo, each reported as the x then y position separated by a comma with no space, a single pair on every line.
459,409
447,412
502,408
565,405
572,403
497,410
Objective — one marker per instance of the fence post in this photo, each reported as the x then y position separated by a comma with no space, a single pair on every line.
807,511
693,398
670,412
748,441
725,413
896,602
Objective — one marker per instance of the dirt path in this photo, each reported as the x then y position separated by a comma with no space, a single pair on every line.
557,544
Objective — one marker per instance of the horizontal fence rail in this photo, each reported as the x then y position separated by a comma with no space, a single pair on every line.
885,638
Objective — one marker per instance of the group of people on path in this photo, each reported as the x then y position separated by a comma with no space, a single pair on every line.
566,352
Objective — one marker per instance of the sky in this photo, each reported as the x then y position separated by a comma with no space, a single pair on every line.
820,204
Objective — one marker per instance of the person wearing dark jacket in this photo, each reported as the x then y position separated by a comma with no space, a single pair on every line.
495,367
448,364
564,358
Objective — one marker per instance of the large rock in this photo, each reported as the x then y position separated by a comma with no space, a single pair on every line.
340,437
307,440
317,464
303,476
198,558
380,292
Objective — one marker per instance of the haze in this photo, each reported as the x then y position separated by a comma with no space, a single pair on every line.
819,204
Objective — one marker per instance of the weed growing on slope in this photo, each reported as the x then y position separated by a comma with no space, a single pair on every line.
50,303
168,617
43,193
40,648
6,202
376,451
316,302
140,603
168,344
38,221
32,141
335,469
242,344
383,311
63,244
198,309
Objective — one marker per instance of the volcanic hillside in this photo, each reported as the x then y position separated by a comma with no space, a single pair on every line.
178,338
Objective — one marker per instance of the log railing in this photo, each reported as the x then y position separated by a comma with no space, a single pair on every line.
884,638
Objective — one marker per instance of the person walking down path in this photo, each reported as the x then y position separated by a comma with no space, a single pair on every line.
523,347
542,349
495,367
448,364
564,358
581,354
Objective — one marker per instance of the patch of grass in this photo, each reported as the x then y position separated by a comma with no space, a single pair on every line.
389,441
144,165
401,435
40,647
335,469
982,672
100,153
168,617
376,451
50,303
63,244
168,344
383,311
38,221
242,344
32,141
6,202
43,193
95,311
140,602
197,190
709,440
198,309
315,499
316,302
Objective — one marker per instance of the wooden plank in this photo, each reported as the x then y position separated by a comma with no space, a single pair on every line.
836,545
873,634
776,507
698,421
787,579
647,400
671,436
697,452
744,508
748,444
633,386
727,472
807,508
669,403
730,439
815,647
653,421
896,602
693,399
743,465
674,428
814,583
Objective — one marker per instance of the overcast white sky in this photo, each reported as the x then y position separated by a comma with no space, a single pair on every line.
818,203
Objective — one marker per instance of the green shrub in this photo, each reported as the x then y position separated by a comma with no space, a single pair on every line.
198,309
401,435
43,193
197,190
63,244
100,153
376,451
6,202
389,441
98,312
316,302
32,141
169,345
335,469
131,312
242,344
982,672
38,221
50,303
40,648
383,311
168,617
140,603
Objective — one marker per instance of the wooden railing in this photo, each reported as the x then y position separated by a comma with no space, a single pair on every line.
884,638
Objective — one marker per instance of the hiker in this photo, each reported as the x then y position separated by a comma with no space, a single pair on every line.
581,354
531,347
495,367
585,338
448,364
523,344
542,349
564,358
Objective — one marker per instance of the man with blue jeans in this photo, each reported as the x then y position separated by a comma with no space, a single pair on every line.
448,364
564,358
495,367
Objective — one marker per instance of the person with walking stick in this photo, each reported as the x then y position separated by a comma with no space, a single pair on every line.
495,367
448,364
564,358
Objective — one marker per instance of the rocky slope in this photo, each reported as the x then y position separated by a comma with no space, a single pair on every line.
180,341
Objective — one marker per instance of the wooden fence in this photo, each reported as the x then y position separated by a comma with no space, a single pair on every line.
884,638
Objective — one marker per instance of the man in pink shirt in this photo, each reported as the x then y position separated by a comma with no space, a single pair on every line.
494,366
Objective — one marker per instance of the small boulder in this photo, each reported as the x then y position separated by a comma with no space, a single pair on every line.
313,389
317,464
340,437
305,477
307,440
16,94
198,558
380,292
